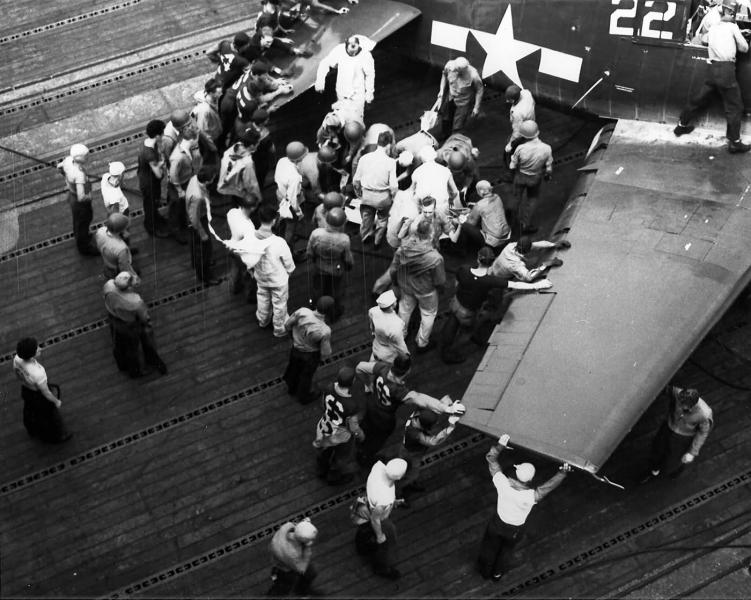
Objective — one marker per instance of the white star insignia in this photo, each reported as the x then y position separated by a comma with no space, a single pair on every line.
503,51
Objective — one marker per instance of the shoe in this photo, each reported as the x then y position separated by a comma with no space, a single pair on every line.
681,129
161,367
737,147
497,576
390,573
649,476
556,262
210,282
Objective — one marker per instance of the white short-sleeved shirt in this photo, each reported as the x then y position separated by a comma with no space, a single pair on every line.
514,505
240,226
29,372
112,194
380,490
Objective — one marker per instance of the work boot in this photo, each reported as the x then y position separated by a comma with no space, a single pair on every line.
681,129
737,147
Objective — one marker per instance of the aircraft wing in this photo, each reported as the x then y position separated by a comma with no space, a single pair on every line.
374,19
660,249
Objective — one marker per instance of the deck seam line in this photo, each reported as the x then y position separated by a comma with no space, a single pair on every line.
129,439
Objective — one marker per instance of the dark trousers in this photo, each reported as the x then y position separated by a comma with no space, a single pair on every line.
471,238
299,374
200,254
383,556
497,543
720,80
42,418
453,117
376,434
527,189
126,339
336,463
82,217
667,449
290,583
152,220
326,284
177,213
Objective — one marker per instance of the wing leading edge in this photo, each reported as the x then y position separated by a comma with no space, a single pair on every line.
660,249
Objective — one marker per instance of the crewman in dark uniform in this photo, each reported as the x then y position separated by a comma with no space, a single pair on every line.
724,41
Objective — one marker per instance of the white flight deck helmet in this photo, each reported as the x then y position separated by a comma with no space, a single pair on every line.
305,532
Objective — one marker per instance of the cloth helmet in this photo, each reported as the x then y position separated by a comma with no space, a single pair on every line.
405,158
305,532
117,222
116,168
525,472
396,468
296,150
122,280
529,130
333,200
336,217
78,151
180,118
457,161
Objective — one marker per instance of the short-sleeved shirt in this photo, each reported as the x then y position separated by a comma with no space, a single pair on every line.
533,157
463,89
387,397
336,410
146,178
29,372
492,216
388,334
113,194
513,505
309,332
380,491
472,290
74,175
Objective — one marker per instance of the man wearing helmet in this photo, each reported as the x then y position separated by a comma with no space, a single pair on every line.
459,95
531,162
289,192
516,498
330,200
73,168
319,174
116,256
681,435
355,77
329,250
291,551
521,108
725,41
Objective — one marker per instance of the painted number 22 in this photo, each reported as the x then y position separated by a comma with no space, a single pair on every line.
621,16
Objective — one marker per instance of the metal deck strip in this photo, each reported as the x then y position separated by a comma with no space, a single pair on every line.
58,239
264,533
670,513
103,82
98,324
147,432
69,21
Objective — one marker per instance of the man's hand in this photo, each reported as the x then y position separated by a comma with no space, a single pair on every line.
566,468
343,11
504,439
380,539
454,419
508,148
475,112
457,408
547,176
437,104
353,1
542,284
687,458
563,245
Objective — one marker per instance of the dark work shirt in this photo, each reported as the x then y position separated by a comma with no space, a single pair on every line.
386,398
229,63
146,178
471,290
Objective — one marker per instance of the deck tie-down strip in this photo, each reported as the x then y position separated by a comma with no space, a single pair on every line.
147,432
69,21
267,531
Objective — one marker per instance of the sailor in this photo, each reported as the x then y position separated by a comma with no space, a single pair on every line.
291,551
434,179
486,223
511,264
459,95
197,200
229,63
205,113
725,41
151,171
516,498
521,108
73,168
116,256
681,435
311,342
387,329
355,74
531,162
112,193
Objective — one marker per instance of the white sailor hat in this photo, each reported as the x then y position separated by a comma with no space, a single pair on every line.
388,298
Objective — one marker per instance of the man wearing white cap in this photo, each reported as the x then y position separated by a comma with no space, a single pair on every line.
112,194
73,168
515,501
381,499
291,552
388,331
